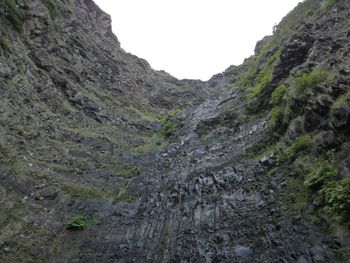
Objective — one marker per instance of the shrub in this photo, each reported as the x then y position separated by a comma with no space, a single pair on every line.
77,222
277,114
337,195
11,12
302,143
277,95
4,43
309,81
319,176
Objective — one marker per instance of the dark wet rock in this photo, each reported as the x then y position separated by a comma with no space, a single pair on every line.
49,194
304,259
341,116
243,251
268,159
293,53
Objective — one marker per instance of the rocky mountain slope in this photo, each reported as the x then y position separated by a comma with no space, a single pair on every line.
103,159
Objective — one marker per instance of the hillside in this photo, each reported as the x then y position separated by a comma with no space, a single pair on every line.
103,159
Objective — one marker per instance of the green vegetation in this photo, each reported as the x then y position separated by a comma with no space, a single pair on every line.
302,143
128,170
123,196
262,81
169,126
309,81
322,181
7,153
341,101
264,77
277,95
85,192
80,222
327,4
277,114
337,196
52,7
320,174
4,43
15,16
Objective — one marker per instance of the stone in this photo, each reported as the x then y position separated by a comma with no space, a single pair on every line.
243,251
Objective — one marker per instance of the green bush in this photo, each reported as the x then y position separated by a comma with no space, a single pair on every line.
302,143
322,181
4,43
11,12
309,81
337,195
320,175
277,95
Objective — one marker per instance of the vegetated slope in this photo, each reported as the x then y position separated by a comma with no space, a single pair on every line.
92,170
74,111
301,75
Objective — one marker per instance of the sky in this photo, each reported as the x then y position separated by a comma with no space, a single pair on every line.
193,39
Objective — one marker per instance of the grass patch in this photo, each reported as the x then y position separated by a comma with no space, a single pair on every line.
169,127
12,13
7,153
327,4
342,101
277,114
52,7
123,196
309,81
4,43
277,95
85,192
80,222
302,143
264,77
128,170
152,143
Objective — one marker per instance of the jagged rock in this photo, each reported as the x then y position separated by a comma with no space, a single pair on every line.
268,159
341,116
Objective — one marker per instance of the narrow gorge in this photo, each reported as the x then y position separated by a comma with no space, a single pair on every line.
103,159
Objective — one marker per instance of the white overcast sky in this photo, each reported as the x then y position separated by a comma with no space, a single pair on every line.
193,38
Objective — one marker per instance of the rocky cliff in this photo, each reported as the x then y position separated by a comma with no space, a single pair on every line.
103,159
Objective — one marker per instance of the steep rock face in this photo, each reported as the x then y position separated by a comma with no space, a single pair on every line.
93,170
75,110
